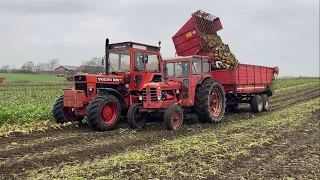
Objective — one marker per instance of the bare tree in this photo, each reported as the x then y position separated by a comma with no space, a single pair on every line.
52,64
5,68
27,66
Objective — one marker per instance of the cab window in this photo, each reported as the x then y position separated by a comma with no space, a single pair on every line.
206,65
196,66
153,63
138,64
178,69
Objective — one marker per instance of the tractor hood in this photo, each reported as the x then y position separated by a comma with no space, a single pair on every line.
164,85
93,78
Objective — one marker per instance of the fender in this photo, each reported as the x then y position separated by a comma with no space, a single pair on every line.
201,80
115,93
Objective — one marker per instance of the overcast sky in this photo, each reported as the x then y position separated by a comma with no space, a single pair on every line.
282,33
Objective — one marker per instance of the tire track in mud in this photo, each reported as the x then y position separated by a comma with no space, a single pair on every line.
292,145
143,137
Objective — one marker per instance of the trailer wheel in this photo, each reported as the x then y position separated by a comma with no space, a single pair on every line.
265,102
63,114
136,119
210,101
173,117
103,112
256,103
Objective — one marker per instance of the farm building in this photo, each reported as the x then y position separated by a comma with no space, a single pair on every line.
66,70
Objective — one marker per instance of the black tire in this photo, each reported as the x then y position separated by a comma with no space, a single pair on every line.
265,99
232,108
136,119
63,114
191,119
256,103
201,106
95,108
173,117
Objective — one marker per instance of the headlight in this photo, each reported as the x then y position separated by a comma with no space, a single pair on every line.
127,86
91,89
159,98
140,98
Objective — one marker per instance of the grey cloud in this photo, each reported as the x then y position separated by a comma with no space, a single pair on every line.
283,33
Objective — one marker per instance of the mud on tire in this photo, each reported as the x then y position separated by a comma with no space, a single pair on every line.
136,119
204,102
265,99
103,112
256,103
63,114
173,117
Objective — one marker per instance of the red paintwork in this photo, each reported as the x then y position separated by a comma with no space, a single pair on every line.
187,40
1,80
78,99
109,113
67,112
246,78
174,84
73,98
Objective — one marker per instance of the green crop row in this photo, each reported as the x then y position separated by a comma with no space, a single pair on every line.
33,102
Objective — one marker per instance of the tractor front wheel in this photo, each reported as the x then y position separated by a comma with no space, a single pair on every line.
173,117
63,114
103,112
136,119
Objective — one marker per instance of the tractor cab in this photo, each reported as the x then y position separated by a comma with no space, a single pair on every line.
181,76
128,66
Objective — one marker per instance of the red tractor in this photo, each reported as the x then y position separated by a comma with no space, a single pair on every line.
102,99
1,79
187,87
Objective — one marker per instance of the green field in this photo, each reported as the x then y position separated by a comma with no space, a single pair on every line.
11,77
29,104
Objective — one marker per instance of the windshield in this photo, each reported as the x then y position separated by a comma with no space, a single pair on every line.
178,69
119,61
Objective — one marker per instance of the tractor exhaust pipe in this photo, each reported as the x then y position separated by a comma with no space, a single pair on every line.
107,56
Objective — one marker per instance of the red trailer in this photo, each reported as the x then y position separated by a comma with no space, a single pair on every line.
246,84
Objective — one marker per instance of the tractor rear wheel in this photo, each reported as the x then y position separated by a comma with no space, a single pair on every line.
210,101
256,103
191,119
173,117
63,114
103,112
265,99
136,119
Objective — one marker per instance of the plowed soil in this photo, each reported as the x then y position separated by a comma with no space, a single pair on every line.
77,145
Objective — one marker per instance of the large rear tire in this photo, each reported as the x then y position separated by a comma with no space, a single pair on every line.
210,101
173,117
136,119
103,112
63,114
256,103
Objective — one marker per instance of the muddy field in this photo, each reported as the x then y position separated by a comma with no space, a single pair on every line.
281,143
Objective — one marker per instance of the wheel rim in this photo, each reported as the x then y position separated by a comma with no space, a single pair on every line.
215,102
109,113
176,120
68,114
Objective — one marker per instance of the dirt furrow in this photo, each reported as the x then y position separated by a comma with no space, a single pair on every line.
145,137
281,157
